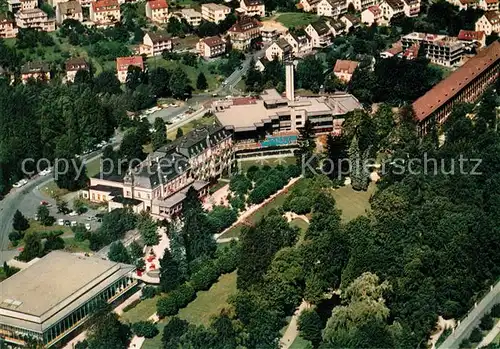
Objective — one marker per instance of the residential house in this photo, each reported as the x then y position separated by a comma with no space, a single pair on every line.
243,31
122,64
464,4
211,47
69,10
260,64
7,27
331,8
105,12
54,3
35,70
73,65
157,11
337,27
361,5
269,34
344,69
372,14
392,8
411,8
488,5
350,21
477,39
16,5
192,17
156,43
395,50
280,50
214,12
309,5
35,19
252,8
439,49
300,44
319,34
489,22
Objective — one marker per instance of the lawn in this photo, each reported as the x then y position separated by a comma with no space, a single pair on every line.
142,311
300,343
233,232
36,227
52,190
192,125
72,245
93,167
296,19
353,203
302,225
244,165
206,305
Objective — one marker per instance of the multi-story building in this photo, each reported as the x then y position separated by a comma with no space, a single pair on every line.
35,70
488,5
192,17
252,8
472,38
439,49
86,3
344,69
45,303
337,27
392,8
36,19
7,28
16,5
464,85
123,63
350,21
300,44
372,14
69,10
156,42
361,5
214,12
331,8
489,22
157,10
309,5
411,8
73,65
319,34
280,50
243,31
211,47
105,12
465,4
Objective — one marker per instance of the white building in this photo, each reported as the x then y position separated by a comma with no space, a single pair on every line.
280,50
319,34
372,14
392,8
331,8
69,10
252,8
214,12
489,22
300,44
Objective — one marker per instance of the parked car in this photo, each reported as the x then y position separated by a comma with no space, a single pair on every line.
60,221
45,203
20,183
66,222
87,226
73,213
74,223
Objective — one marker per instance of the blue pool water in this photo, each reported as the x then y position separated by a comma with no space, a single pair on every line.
276,141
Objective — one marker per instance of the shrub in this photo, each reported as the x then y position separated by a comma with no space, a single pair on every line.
145,329
301,204
131,305
310,326
476,336
227,259
183,295
495,311
166,306
465,343
204,278
15,236
149,292
487,323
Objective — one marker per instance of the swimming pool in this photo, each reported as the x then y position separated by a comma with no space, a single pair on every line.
276,141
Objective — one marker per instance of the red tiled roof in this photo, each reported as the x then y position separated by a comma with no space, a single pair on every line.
491,1
213,41
158,4
412,51
493,17
342,66
102,5
467,2
122,63
375,10
470,35
453,84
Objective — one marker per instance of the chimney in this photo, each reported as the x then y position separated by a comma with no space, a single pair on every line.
290,88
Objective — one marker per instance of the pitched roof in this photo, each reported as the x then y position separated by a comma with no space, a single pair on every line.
35,67
122,63
456,81
351,18
470,35
337,25
103,5
158,4
283,44
253,2
467,2
213,41
244,24
375,10
76,63
70,6
321,28
493,17
158,36
395,4
345,66
491,1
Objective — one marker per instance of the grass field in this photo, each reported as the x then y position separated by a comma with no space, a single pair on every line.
93,167
36,227
244,165
71,245
296,19
52,190
353,203
142,311
200,311
301,343
192,125
233,232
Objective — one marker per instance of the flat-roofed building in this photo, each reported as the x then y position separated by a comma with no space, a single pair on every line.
156,43
35,70
73,65
69,10
35,19
192,17
7,27
464,85
105,12
157,10
439,49
54,296
211,47
214,12
123,63
16,5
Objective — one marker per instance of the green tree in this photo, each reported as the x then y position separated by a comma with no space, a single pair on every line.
148,229
131,146
159,136
62,207
44,215
135,250
53,242
173,331
305,156
107,82
20,223
159,80
145,329
170,277
180,84
201,82
108,333
135,77
119,253
310,326
32,247
310,74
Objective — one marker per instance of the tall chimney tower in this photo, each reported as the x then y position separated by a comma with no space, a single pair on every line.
290,87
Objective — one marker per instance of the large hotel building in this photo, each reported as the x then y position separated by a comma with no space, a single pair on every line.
465,85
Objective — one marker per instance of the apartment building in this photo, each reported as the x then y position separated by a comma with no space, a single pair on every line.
35,19
301,45
280,50
157,11
476,39
7,27
331,8
439,49
123,63
192,17
73,65
464,85
243,31
105,12
156,42
16,5
214,12
372,14
350,21
489,22
411,8
309,5
337,27
252,8
211,47
319,34
488,5
392,8
69,10
344,69
35,70
361,5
